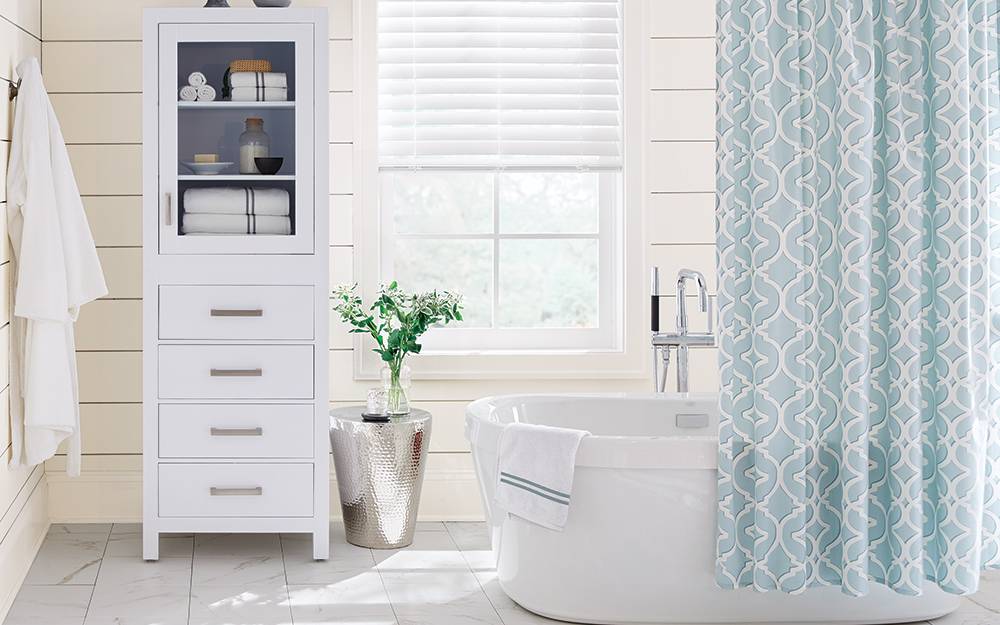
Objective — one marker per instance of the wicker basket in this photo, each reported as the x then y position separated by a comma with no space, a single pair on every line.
246,65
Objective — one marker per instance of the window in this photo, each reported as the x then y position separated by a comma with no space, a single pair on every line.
500,167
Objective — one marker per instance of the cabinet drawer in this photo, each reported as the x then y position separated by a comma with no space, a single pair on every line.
236,490
236,312
236,431
236,371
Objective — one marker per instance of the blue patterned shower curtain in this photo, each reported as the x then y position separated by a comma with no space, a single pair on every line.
859,263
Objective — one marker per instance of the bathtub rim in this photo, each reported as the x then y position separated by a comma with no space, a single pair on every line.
604,451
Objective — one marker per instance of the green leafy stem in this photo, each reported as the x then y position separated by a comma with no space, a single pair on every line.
401,317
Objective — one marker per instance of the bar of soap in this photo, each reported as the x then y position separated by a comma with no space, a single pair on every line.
206,158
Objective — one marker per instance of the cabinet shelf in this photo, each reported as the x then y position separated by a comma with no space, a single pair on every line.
244,177
228,104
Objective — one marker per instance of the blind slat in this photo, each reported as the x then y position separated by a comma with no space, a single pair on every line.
501,82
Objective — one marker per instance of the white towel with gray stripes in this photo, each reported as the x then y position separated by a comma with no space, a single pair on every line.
535,465
237,201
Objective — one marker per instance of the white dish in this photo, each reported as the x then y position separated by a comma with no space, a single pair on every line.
206,169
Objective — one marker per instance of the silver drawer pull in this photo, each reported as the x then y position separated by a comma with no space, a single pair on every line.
225,312
236,373
237,431
236,492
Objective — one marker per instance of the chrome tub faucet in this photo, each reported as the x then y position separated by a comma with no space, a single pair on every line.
682,338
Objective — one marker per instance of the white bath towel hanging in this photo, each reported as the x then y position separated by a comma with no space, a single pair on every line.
55,270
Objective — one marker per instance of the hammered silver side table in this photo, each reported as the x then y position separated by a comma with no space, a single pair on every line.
380,469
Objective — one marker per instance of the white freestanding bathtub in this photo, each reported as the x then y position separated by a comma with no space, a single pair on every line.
639,545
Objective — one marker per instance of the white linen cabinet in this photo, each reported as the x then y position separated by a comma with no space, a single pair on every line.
235,325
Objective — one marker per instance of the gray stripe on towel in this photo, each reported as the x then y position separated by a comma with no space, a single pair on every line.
533,491
535,484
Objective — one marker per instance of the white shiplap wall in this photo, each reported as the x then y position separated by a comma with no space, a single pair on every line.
23,496
92,58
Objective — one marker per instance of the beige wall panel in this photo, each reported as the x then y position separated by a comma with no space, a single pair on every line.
11,483
110,377
5,147
4,247
341,219
115,221
110,325
97,463
25,13
341,117
110,429
99,117
23,529
93,66
343,386
4,428
680,18
122,271
681,218
4,362
341,66
4,293
341,168
682,63
15,44
671,258
682,115
68,20
682,167
107,169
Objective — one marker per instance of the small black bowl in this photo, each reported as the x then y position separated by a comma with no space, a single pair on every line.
268,165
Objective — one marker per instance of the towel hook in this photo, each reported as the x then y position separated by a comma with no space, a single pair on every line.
12,89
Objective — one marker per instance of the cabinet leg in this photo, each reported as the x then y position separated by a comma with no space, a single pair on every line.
150,545
321,545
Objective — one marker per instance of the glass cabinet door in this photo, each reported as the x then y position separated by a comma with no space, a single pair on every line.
234,206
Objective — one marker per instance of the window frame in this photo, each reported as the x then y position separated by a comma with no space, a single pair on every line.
624,357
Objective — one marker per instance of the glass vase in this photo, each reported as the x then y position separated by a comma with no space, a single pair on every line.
396,380
254,142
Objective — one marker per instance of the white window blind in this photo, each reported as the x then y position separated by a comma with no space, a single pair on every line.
491,83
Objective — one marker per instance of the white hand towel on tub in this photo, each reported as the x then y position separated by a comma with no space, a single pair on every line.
258,79
237,201
259,94
535,466
207,223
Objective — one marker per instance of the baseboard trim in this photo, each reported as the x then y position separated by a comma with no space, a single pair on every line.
448,494
24,537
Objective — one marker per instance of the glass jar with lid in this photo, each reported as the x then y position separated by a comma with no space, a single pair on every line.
254,142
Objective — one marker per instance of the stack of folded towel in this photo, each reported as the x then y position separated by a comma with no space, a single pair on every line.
236,210
197,89
259,86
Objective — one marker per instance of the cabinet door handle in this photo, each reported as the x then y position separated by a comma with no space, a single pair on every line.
224,312
169,217
236,373
237,431
236,492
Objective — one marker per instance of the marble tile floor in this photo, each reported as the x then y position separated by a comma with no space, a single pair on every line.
92,574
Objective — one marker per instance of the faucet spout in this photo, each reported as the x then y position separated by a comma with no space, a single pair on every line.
682,277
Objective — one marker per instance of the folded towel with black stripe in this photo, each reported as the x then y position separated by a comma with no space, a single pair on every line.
259,94
207,223
258,79
237,201
535,466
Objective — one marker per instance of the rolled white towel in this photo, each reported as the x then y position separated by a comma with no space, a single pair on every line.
237,201
202,223
254,94
189,93
259,79
206,93
197,79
